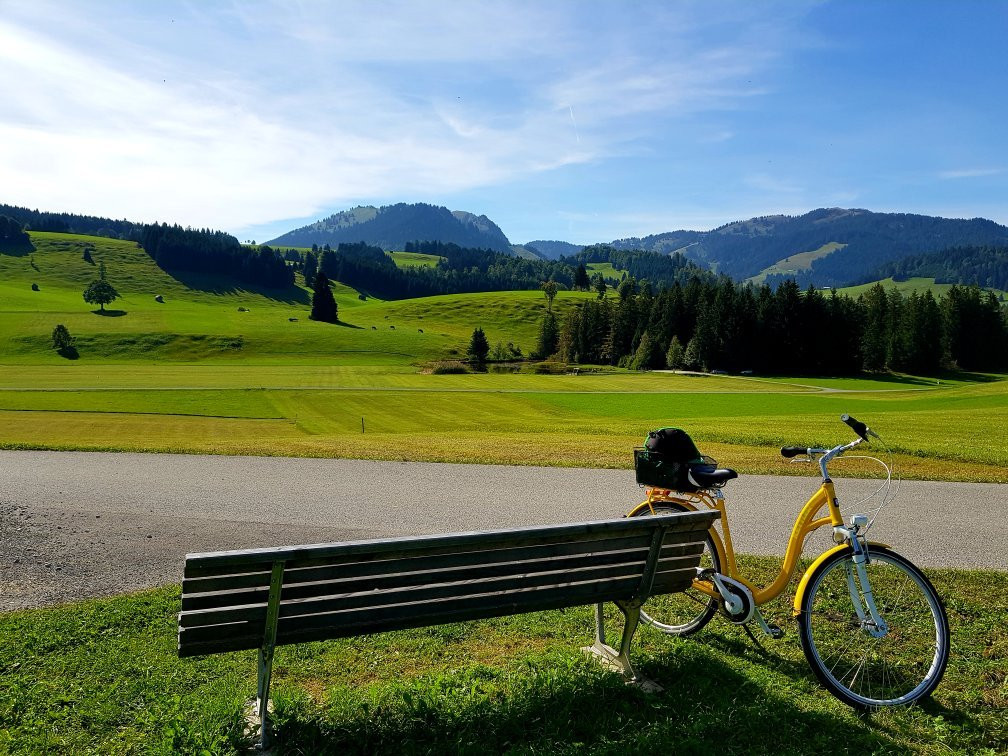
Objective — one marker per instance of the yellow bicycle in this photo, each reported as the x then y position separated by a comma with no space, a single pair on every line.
872,627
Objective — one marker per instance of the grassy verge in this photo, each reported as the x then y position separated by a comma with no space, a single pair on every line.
102,677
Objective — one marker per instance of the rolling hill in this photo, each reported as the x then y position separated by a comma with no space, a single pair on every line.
392,226
215,319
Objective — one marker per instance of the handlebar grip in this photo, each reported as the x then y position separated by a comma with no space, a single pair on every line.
793,451
856,425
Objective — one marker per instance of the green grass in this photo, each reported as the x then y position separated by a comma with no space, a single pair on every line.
920,285
415,259
215,369
103,677
606,269
798,262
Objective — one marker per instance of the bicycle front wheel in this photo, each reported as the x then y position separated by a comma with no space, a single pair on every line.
685,612
852,659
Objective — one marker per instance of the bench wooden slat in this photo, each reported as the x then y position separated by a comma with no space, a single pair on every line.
251,560
361,596
245,585
336,580
402,616
672,557
342,568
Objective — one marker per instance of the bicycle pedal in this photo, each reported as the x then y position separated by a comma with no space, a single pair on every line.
776,632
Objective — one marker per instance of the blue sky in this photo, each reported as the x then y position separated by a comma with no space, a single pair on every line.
580,121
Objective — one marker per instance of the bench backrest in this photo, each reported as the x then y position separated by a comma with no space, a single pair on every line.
344,589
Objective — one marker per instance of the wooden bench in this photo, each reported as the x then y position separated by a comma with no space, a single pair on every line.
263,598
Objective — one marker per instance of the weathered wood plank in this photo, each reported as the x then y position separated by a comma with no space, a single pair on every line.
673,522
518,584
403,616
348,579
346,569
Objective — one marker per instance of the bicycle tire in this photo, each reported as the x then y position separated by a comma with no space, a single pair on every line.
901,667
686,612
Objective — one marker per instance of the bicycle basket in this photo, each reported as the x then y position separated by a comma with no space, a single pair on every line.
658,470
664,460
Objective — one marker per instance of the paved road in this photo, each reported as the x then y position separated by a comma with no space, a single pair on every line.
76,524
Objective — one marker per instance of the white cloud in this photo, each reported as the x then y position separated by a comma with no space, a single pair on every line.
970,173
232,116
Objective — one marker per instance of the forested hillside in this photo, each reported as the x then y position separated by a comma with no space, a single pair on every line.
70,223
552,250
711,324
173,248
981,266
392,226
746,248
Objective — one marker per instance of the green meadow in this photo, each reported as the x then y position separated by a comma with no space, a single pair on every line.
920,285
103,676
216,369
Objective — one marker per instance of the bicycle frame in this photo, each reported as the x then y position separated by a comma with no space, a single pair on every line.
807,522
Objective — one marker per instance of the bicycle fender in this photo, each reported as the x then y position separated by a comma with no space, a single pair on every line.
803,584
646,506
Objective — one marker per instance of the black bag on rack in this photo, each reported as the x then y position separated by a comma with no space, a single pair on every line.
665,459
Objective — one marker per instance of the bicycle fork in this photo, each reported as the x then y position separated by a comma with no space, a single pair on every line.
858,585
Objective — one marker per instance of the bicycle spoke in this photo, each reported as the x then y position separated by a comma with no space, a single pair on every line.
864,669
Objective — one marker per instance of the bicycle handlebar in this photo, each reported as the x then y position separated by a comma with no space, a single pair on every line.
856,425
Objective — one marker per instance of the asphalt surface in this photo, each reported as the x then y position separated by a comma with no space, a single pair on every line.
78,524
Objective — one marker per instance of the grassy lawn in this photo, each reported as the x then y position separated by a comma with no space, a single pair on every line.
214,369
606,269
103,677
920,285
415,259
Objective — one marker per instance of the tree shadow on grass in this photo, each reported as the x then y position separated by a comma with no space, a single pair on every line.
109,313
69,353
211,284
580,707
16,250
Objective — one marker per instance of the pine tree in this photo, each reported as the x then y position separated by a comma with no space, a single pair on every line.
599,284
61,338
581,280
675,357
873,340
647,354
324,306
310,268
546,342
478,349
691,359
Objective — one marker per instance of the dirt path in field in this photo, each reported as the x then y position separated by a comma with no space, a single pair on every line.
78,524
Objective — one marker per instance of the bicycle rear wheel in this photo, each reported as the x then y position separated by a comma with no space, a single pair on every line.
867,672
685,612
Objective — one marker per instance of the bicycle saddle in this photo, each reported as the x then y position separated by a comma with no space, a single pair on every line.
709,476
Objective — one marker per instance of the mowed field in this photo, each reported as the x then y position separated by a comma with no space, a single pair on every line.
215,369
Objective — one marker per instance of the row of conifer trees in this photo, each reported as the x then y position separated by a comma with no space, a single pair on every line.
721,325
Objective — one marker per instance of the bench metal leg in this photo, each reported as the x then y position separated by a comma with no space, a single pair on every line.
266,657
619,661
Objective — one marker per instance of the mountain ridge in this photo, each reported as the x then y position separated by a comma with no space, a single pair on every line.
392,226
862,240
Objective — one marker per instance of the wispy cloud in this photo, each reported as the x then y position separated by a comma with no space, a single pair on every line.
970,173
233,115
